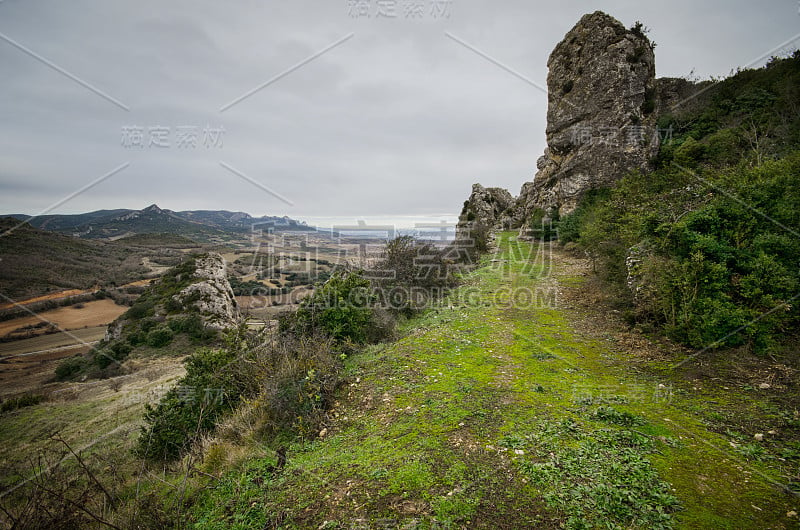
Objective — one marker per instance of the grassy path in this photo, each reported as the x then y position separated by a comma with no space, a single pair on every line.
493,411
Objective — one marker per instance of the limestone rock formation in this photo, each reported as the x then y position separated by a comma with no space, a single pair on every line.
601,113
485,210
205,292
489,206
212,295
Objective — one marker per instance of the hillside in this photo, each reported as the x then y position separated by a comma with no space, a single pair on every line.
485,414
704,247
35,262
181,311
226,220
116,223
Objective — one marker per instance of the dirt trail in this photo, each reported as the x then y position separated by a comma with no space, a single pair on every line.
43,298
493,414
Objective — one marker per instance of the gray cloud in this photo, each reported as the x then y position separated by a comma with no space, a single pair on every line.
397,120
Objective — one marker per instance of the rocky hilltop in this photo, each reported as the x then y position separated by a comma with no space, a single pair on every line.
197,289
603,99
485,210
489,206
211,295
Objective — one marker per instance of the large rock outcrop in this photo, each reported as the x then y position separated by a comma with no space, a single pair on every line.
493,207
486,210
202,289
211,295
600,116
603,100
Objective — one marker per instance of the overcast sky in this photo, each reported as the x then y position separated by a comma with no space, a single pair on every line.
387,116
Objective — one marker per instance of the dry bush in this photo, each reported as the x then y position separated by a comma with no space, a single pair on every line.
61,490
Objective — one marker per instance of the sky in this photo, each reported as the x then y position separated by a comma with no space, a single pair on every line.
343,109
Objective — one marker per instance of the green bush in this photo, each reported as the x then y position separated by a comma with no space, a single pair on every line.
303,373
248,288
340,308
25,400
192,407
160,336
67,368
141,309
722,264
192,325
411,275
108,353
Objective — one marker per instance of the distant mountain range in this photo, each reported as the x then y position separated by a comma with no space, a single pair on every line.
201,225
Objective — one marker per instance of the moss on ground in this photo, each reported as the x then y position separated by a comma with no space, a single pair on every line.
496,413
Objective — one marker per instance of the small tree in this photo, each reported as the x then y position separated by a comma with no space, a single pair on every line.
340,308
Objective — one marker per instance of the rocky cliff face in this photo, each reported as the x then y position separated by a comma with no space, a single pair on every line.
603,100
601,113
211,295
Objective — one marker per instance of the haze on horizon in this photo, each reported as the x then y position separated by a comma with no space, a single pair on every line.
307,109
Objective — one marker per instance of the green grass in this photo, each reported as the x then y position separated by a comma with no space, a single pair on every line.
490,416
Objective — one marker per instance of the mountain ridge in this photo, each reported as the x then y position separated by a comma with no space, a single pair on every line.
119,223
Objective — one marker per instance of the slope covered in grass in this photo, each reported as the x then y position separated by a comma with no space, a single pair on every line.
494,411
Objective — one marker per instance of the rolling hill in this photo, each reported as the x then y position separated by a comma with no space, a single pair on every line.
38,261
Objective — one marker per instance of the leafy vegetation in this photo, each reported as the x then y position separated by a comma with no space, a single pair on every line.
341,308
600,478
192,407
411,275
705,247
18,402
250,287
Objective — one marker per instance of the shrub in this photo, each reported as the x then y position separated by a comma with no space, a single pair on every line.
141,309
191,408
245,288
722,266
69,367
569,229
25,400
159,336
192,325
340,308
411,274
303,373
